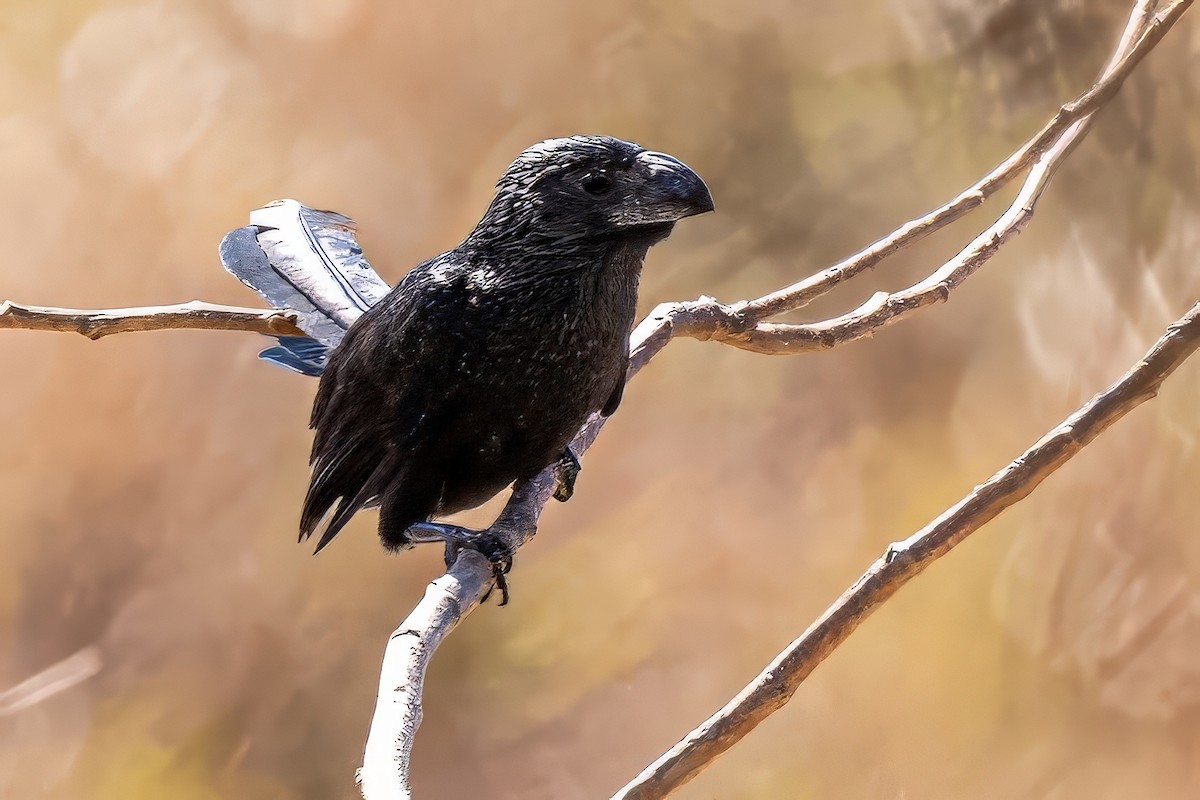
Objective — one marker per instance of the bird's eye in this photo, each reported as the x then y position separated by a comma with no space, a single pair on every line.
597,184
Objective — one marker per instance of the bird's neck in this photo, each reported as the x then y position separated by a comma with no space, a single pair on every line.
522,245
596,277
607,283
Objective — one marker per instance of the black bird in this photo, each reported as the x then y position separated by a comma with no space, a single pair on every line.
479,367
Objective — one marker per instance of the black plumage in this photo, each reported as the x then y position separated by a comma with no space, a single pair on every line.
478,368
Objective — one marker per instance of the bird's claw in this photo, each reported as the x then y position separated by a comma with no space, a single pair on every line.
458,538
569,468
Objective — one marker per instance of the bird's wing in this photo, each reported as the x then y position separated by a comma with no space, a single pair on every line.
614,399
351,460
377,402
307,260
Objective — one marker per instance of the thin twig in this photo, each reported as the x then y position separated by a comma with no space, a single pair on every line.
100,322
906,559
51,681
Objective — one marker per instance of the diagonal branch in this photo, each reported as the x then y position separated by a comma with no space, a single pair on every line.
59,677
196,315
906,559
388,753
710,321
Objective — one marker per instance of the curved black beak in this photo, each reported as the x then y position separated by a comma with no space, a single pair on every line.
679,187
666,190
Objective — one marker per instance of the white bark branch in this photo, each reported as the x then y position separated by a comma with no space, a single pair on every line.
386,759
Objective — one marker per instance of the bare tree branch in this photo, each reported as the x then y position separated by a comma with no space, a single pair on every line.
100,322
58,677
713,322
386,760
906,559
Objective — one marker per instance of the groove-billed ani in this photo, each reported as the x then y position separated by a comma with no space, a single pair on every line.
478,368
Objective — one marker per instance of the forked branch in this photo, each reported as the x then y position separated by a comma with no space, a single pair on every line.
744,324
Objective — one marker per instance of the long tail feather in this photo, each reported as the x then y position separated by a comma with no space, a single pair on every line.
309,261
320,498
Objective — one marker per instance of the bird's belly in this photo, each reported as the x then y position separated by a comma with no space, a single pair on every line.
513,432
518,398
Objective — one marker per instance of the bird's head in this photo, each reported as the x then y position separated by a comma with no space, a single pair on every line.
591,187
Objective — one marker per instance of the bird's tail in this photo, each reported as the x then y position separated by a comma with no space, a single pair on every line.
299,354
308,261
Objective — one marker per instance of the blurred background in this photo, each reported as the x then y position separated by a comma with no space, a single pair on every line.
150,483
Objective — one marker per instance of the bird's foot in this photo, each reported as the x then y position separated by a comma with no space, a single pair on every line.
458,538
569,468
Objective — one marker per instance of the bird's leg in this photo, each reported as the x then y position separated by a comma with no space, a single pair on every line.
456,537
569,467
